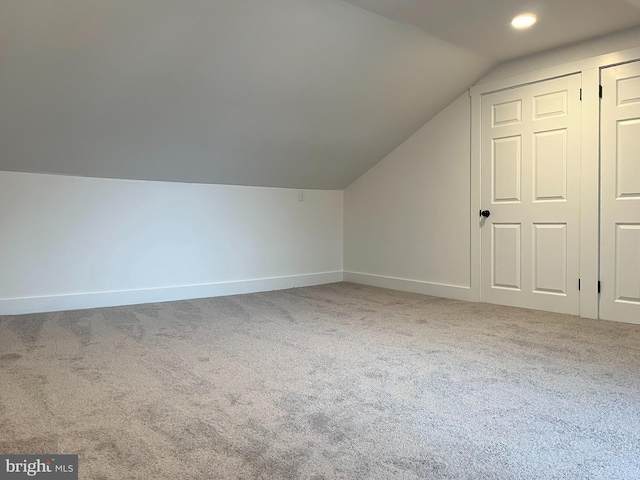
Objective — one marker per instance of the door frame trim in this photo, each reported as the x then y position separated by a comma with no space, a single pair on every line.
589,68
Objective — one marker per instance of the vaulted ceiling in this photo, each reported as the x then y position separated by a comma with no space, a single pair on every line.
284,93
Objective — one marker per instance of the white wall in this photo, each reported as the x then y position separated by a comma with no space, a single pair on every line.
407,220
72,242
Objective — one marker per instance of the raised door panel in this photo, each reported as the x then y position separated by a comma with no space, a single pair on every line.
551,104
627,264
550,259
550,166
507,113
507,167
505,264
627,164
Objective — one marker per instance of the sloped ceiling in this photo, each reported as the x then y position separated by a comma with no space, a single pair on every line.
283,93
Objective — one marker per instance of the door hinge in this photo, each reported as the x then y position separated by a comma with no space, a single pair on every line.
598,286
600,91
578,284
580,94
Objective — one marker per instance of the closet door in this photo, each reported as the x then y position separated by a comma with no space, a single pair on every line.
530,185
620,194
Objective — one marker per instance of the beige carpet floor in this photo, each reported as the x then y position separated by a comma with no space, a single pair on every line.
339,381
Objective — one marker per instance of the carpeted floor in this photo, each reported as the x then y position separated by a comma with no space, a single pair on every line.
338,381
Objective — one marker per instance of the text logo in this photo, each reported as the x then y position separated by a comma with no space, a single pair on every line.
49,467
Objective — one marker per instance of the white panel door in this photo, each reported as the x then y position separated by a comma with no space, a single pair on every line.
530,162
620,194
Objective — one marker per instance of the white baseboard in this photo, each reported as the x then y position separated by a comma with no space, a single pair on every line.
414,286
17,306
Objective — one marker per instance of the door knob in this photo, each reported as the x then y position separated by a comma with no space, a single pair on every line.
485,213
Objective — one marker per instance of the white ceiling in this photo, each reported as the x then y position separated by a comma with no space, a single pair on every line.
484,26
286,93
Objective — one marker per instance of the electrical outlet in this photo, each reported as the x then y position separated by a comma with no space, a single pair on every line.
301,195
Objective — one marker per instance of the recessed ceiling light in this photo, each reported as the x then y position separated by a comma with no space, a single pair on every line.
524,21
